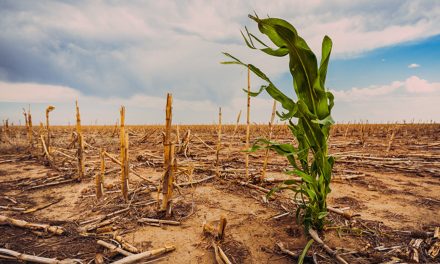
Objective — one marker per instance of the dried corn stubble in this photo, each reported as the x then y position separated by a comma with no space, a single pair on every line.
30,131
216,229
99,180
169,161
219,142
80,151
248,120
124,156
48,110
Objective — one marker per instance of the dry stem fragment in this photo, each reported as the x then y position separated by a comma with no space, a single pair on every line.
216,254
223,255
4,220
113,248
119,163
390,142
36,259
158,221
137,257
330,251
127,246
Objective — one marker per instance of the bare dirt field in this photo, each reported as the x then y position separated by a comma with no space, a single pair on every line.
386,180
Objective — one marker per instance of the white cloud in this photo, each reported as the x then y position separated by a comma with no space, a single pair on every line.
132,53
36,93
351,38
413,65
355,93
412,85
126,48
140,109
411,99
416,85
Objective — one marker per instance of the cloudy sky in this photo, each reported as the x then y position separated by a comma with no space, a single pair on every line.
385,64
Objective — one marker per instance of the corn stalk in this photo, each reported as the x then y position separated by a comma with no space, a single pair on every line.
80,151
99,180
248,120
124,156
25,118
169,161
311,110
30,131
6,128
40,132
219,143
48,110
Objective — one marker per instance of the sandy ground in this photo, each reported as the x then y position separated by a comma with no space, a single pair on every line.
395,193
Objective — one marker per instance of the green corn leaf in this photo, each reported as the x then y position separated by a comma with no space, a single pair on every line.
261,42
328,120
229,62
258,72
298,214
310,193
302,65
281,52
282,149
247,41
285,101
271,89
254,148
266,26
325,58
331,160
234,60
287,116
254,94
331,101
306,177
290,182
292,161
272,191
321,215
249,37
279,188
304,252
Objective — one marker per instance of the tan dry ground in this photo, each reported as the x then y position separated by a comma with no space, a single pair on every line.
395,191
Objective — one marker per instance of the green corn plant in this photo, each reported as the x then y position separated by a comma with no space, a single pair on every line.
311,110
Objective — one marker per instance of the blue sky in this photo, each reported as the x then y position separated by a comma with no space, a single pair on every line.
385,63
388,64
